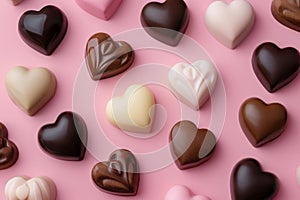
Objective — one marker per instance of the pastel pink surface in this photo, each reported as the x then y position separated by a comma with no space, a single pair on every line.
179,192
103,9
212,178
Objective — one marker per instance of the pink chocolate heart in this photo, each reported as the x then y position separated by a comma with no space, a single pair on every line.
179,192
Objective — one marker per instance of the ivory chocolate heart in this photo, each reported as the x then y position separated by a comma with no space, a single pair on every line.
118,176
103,9
9,152
193,84
66,139
16,2
43,30
230,23
31,89
179,192
249,182
287,12
134,111
166,22
262,122
38,188
105,57
275,67
189,145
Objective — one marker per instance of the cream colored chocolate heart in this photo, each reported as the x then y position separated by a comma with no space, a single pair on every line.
30,89
193,84
23,188
230,23
134,111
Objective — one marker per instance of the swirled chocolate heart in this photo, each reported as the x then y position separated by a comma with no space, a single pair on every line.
119,175
66,139
105,57
43,30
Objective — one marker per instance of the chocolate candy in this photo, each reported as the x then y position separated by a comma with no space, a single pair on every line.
66,139
16,2
166,22
105,57
262,122
275,67
119,175
287,12
189,145
249,182
9,153
180,192
43,30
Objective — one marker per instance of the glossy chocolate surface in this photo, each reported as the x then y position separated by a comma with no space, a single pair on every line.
105,57
189,145
43,30
287,12
119,175
249,182
166,22
66,139
262,122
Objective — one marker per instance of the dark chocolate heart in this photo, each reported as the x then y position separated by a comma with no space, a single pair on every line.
249,182
43,30
189,145
66,139
275,67
118,176
166,22
105,57
262,122
287,12
9,152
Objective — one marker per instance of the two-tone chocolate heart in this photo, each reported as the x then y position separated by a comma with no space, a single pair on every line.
119,175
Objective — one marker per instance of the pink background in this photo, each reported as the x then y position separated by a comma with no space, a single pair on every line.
212,178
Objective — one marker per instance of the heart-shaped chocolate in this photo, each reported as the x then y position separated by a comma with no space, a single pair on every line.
249,182
166,22
180,192
262,122
105,57
16,2
66,139
189,145
43,30
275,67
9,152
119,175
287,12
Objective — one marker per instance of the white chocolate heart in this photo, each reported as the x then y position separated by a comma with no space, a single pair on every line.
23,188
193,84
133,111
230,23
179,192
30,89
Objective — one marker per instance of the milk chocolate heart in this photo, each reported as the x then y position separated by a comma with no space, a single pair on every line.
118,176
8,150
105,57
287,12
166,22
249,182
275,67
66,139
43,30
189,145
262,122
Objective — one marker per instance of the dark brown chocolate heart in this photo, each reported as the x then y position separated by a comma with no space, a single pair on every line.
275,67
118,176
287,12
189,145
262,122
166,22
9,152
43,30
249,182
106,58
66,139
